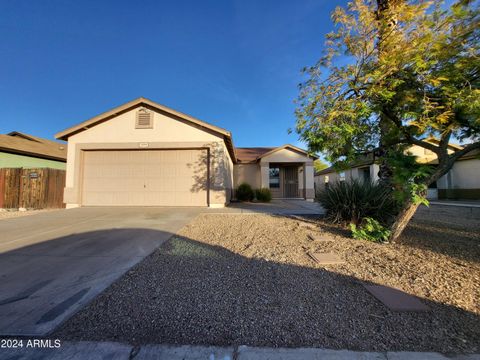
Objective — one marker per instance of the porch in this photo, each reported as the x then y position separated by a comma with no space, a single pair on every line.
288,180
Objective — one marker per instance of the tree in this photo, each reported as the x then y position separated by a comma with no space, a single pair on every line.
394,73
319,165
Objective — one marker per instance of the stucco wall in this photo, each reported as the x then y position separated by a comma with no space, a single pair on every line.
8,160
462,181
350,174
249,173
167,132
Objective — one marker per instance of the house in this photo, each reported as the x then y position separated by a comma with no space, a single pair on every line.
146,154
461,182
19,150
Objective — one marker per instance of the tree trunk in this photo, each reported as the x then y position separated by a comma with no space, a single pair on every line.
387,23
402,220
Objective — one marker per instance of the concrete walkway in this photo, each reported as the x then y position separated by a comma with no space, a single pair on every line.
459,203
110,350
275,207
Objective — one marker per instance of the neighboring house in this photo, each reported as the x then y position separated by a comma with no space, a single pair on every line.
19,150
145,154
461,182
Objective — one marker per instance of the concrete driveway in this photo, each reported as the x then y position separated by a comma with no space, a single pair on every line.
52,263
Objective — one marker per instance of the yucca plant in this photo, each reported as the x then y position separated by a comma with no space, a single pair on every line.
352,201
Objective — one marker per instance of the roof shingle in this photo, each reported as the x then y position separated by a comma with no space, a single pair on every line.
20,143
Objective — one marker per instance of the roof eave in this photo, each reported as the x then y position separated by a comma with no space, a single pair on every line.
286,146
32,154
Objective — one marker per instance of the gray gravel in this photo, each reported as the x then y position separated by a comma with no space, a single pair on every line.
241,279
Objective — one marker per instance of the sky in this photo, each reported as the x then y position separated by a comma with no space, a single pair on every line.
234,64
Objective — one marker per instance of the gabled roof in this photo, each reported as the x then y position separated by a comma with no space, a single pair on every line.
141,101
19,143
251,154
254,154
289,147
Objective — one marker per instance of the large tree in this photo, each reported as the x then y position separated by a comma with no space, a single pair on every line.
395,72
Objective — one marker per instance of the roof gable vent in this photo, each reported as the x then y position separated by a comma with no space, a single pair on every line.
144,119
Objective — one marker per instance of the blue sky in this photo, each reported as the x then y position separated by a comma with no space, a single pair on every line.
235,64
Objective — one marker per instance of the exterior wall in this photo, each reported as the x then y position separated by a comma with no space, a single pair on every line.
8,160
461,182
249,173
167,132
350,174
424,155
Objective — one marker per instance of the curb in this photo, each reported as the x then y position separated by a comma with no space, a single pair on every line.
111,350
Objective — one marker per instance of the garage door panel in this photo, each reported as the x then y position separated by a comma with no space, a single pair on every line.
144,177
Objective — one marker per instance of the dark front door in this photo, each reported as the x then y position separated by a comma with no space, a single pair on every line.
290,182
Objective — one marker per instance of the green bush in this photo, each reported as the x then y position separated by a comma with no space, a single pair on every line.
263,195
244,192
352,201
371,230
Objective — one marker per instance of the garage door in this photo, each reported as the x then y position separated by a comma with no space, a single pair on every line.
145,178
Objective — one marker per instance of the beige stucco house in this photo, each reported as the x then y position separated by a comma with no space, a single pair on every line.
461,182
146,154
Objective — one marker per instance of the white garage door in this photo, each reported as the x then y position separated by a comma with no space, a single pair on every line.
145,178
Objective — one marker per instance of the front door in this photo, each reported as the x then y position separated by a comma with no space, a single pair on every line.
290,182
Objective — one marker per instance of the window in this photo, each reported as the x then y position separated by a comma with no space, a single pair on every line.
342,176
144,119
364,173
326,179
274,175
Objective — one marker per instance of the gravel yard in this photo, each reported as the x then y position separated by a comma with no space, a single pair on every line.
246,279
8,214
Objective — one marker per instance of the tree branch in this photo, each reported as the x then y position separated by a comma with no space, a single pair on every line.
424,144
465,150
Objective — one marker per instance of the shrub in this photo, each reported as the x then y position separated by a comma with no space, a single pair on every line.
263,195
352,201
244,192
371,230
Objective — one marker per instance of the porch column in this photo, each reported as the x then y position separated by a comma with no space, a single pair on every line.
308,170
264,175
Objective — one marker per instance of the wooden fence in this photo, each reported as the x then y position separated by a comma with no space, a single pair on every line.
40,188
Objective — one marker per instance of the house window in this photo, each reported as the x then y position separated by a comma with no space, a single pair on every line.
342,176
327,179
274,177
364,173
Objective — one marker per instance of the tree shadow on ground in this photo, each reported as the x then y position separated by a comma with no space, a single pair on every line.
435,230
189,292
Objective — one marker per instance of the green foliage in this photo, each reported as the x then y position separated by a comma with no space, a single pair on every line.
263,195
352,201
319,165
244,192
397,75
409,178
371,230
